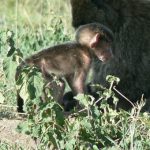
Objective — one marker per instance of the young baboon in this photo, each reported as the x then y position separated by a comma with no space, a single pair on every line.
130,22
85,33
71,60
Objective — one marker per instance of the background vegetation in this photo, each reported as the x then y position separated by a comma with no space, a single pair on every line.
27,26
35,25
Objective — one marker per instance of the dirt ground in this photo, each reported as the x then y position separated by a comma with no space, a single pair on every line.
9,134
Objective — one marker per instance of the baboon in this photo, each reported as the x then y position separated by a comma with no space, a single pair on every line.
130,22
71,60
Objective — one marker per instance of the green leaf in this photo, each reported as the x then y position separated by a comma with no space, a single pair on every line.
95,147
24,92
70,144
31,89
83,99
111,79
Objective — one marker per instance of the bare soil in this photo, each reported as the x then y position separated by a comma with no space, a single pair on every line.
9,134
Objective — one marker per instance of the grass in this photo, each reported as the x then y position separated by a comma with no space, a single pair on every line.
34,13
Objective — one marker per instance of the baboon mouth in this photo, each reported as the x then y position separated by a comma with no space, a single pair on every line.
103,58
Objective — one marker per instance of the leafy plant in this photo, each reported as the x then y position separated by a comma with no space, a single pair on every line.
93,127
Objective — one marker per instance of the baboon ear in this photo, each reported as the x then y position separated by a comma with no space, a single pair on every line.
94,41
